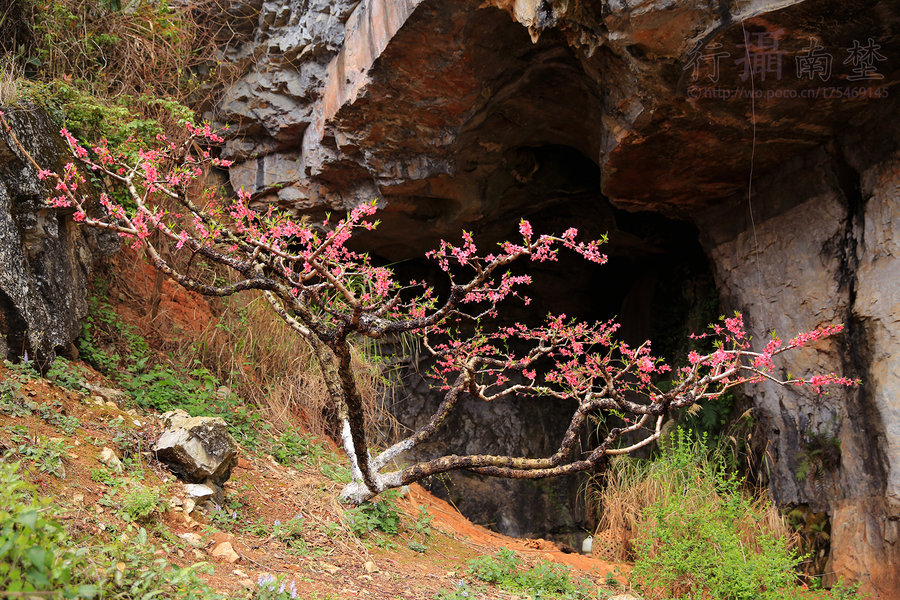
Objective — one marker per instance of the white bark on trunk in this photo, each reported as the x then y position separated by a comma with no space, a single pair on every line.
357,491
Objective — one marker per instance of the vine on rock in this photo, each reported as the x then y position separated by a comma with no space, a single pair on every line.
328,293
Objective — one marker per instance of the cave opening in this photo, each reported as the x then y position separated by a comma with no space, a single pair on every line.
657,283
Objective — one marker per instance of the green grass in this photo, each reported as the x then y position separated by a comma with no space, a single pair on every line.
39,558
544,580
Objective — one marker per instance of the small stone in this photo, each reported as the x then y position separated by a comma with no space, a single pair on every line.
225,551
192,538
240,573
111,404
247,583
175,502
197,554
109,458
78,498
136,423
330,568
370,567
199,491
189,506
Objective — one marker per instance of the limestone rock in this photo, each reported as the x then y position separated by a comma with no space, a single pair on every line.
225,551
197,448
192,538
46,259
199,491
188,506
109,458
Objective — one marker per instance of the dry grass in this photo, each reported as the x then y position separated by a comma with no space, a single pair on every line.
133,48
633,485
267,363
10,75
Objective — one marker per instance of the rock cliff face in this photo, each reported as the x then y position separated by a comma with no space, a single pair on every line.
768,125
46,259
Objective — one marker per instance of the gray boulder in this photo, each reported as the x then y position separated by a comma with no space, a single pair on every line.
197,449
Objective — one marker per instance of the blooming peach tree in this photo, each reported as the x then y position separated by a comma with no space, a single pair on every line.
328,294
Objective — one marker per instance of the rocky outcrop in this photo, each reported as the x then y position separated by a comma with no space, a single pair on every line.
770,125
822,251
46,259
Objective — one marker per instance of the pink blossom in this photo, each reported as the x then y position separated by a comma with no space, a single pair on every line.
525,229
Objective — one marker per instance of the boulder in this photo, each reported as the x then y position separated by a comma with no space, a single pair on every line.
197,449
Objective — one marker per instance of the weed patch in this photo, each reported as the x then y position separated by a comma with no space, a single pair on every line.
47,454
380,515
695,532
38,557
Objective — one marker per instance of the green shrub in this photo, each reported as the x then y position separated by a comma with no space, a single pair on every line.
503,567
380,515
37,555
139,503
67,375
704,537
10,402
34,549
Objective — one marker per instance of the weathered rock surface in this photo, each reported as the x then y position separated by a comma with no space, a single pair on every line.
828,258
109,458
462,114
225,551
507,428
46,259
197,449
